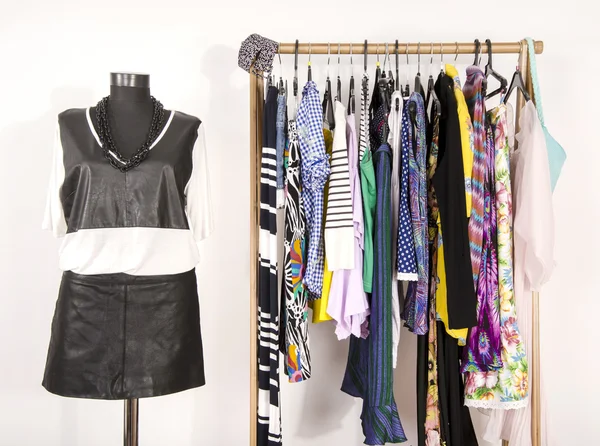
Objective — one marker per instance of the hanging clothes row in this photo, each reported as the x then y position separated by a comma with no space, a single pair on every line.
408,220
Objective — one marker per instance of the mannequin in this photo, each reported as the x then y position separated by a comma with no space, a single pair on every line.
130,112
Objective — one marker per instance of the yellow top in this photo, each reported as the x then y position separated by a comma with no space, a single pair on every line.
466,133
441,294
319,306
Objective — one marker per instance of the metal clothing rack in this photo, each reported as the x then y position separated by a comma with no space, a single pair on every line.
256,116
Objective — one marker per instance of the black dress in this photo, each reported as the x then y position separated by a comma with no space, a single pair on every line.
127,323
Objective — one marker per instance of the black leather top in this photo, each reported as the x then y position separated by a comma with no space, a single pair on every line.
96,195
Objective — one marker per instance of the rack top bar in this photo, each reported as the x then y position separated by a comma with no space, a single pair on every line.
413,48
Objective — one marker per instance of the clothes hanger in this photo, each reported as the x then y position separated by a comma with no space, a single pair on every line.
338,95
406,92
489,71
390,83
516,82
397,105
382,87
296,69
351,99
477,53
309,63
282,89
431,90
418,86
327,98
442,66
476,63
375,98
365,76
295,85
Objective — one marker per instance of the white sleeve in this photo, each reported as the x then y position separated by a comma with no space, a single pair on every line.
197,191
54,217
535,221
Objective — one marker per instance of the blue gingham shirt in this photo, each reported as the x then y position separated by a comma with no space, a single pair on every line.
315,171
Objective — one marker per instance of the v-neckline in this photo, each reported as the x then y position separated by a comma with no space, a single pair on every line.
114,155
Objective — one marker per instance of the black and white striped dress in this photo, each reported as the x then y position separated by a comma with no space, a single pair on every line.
269,414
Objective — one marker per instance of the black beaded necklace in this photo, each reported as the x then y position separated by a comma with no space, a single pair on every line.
111,153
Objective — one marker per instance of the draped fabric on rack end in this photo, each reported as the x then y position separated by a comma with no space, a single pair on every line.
269,414
315,171
297,354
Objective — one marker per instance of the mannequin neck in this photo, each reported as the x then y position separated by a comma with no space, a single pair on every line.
129,94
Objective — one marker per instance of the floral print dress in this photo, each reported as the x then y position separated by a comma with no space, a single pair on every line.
506,388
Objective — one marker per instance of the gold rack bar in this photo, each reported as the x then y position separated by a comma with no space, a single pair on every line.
413,48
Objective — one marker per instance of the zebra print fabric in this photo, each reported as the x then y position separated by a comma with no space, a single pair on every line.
297,355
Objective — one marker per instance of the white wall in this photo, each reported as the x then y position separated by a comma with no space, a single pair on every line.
57,55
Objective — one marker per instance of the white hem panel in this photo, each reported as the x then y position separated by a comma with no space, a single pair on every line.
137,251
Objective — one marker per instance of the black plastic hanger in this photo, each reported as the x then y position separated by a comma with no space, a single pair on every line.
296,70
338,94
351,99
391,85
327,98
406,91
281,87
397,104
477,52
376,97
309,63
384,98
431,90
418,86
489,71
516,82
364,81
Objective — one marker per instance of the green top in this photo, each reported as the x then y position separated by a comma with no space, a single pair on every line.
369,199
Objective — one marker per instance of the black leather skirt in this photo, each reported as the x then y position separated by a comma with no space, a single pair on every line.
119,336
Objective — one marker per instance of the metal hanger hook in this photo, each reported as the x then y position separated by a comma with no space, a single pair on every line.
407,61
309,52
441,54
351,62
377,51
339,52
456,51
387,56
431,60
419,57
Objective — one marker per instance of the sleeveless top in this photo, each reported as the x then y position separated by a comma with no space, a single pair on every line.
146,221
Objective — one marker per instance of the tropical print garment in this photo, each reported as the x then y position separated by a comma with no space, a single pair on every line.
482,352
432,420
473,91
507,388
297,356
415,309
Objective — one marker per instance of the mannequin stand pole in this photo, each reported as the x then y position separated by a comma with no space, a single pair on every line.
130,433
